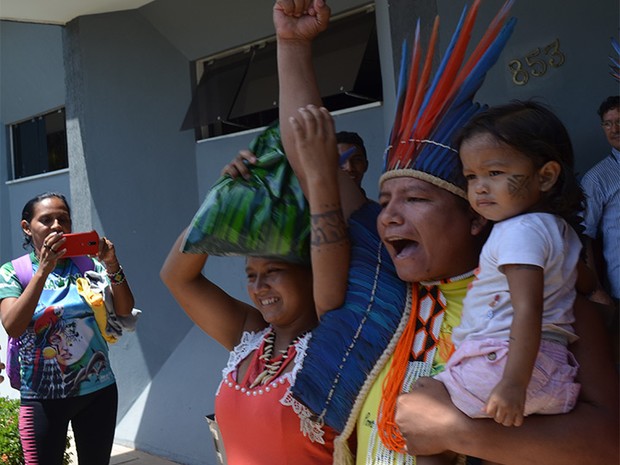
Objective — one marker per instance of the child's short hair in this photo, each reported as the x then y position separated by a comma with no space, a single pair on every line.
535,131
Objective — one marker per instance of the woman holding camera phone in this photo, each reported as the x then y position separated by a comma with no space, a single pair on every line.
65,370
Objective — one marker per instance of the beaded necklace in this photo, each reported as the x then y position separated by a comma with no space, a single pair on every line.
272,365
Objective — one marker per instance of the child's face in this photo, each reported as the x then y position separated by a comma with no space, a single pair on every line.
501,182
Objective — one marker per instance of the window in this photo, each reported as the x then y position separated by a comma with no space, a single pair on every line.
238,90
39,145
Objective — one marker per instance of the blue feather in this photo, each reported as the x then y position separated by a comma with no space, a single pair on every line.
443,64
336,364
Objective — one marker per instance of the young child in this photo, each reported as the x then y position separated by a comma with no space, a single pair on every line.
511,357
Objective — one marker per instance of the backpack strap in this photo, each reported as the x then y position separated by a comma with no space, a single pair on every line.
23,267
84,263
23,270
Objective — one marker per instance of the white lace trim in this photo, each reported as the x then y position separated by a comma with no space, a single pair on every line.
251,341
301,347
308,426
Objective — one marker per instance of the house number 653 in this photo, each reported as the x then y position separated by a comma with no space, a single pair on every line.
536,63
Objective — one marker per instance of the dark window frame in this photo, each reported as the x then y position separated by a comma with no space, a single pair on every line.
237,90
39,144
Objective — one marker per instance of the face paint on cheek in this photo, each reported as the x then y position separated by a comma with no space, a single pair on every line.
518,186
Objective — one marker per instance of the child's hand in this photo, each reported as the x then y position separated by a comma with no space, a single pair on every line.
506,403
315,140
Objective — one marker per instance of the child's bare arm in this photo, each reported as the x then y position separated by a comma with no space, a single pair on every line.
507,400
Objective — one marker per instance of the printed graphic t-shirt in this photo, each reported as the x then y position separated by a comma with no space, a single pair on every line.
62,352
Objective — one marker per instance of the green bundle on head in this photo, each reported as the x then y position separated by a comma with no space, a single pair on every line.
265,216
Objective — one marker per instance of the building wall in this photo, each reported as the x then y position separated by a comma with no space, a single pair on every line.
573,90
31,83
135,177
129,91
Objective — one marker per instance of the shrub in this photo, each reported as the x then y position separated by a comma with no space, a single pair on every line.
10,448
11,452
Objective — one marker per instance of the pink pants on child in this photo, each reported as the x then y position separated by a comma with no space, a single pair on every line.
476,367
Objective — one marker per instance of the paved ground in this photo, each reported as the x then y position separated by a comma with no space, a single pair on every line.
123,455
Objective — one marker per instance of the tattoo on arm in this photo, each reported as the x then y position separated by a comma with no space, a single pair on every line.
328,228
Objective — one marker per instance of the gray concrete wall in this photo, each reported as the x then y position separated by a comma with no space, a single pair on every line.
573,90
31,83
129,91
201,28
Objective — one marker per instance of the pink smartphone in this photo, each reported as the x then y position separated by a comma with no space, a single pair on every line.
84,243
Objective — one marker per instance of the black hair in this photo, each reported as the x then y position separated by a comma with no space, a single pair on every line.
28,210
353,138
611,102
535,131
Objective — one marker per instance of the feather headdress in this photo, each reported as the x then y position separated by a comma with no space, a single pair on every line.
614,67
353,343
429,112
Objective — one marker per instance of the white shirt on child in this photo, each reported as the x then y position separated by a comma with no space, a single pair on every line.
540,239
